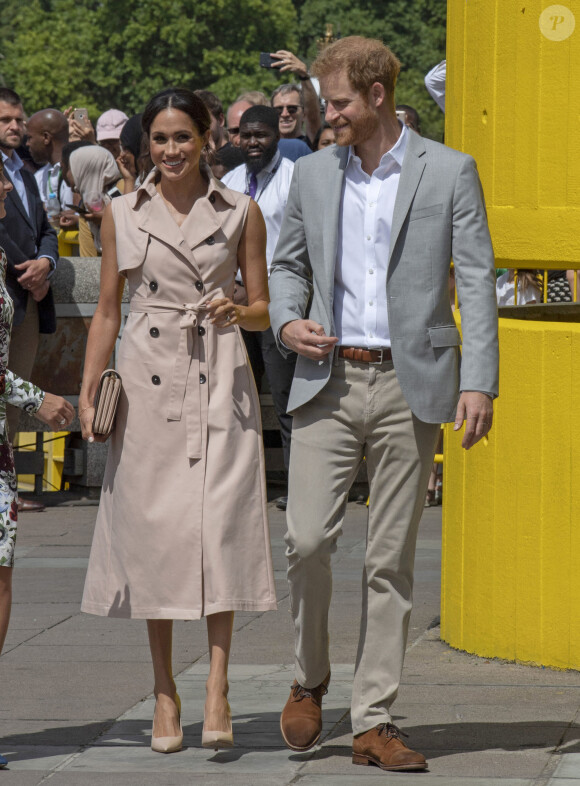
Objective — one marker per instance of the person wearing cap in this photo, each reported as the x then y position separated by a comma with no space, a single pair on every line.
109,127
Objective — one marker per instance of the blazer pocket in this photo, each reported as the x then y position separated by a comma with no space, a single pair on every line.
424,212
444,336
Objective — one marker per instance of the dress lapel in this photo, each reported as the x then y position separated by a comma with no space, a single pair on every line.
411,173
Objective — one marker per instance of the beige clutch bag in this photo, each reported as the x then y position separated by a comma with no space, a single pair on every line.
106,401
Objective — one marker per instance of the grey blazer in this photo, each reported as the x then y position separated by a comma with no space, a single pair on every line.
439,214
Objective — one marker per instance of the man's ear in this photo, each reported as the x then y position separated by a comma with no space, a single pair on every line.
377,94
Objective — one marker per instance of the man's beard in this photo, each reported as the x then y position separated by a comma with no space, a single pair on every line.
256,165
359,130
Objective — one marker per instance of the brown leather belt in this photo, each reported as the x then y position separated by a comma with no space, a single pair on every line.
361,355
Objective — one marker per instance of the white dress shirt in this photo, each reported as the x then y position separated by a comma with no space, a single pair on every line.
13,164
271,196
49,182
364,237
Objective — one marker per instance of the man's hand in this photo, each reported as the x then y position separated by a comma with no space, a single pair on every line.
289,62
476,409
34,273
304,337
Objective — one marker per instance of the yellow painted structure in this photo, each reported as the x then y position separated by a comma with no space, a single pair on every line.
511,508
68,243
513,103
53,459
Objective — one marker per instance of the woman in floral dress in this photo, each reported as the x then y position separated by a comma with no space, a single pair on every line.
53,410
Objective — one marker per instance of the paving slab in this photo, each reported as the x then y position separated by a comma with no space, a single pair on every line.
76,703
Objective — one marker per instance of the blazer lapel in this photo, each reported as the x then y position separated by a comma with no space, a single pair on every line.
330,225
411,173
17,202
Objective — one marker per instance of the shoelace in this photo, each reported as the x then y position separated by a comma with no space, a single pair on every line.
390,730
307,693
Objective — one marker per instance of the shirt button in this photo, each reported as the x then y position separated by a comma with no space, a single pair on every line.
201,331
371,302
155,379
212,198
202,379
199,285
153,286
154,332
211,240
371,271
368,237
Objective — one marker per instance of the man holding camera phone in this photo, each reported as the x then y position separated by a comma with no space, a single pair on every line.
298,106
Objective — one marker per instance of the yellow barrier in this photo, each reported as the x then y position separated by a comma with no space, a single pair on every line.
511,508
53,459
68,243
511,541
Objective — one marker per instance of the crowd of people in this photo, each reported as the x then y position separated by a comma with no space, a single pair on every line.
261,235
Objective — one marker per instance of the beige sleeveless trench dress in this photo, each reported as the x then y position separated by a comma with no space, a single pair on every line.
182,528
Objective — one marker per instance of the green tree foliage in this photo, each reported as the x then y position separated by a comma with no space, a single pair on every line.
119,52
104,53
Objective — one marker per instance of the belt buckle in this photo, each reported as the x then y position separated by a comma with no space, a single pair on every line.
377,362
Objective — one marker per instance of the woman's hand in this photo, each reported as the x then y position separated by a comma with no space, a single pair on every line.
86,417
126,164
224,312
56,412
96,218
69,220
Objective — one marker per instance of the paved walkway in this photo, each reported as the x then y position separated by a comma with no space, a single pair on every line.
75,704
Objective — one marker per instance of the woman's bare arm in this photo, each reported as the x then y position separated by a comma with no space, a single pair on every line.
105,323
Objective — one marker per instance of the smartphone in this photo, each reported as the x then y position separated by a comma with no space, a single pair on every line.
78,209
82,117
267,61
402,116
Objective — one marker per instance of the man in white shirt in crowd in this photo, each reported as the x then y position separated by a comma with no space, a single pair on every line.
265,175
47,134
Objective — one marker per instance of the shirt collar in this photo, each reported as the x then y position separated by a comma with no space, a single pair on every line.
14,163
148,186
396,153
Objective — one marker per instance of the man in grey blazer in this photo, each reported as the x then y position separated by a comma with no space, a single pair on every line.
359,289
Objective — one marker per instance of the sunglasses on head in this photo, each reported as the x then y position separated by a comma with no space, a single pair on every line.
292,108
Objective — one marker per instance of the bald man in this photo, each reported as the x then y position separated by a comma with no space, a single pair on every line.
47,134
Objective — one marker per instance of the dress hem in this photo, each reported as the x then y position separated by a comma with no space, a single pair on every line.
102,610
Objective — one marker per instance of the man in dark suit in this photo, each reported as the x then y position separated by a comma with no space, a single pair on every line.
31,248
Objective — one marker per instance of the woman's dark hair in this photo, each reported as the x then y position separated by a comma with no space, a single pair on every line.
323,126
67,150
177,98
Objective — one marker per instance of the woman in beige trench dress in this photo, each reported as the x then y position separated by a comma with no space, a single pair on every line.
182,529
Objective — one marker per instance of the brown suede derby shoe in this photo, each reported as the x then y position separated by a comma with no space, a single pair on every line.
301,720
384,747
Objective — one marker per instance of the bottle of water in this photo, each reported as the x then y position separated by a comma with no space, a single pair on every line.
53,210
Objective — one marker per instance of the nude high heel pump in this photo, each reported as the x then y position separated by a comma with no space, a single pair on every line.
218,739
169,744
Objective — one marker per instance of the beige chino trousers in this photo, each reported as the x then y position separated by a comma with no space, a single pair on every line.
360,413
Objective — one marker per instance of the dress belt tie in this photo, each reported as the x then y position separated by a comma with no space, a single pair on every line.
184,363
